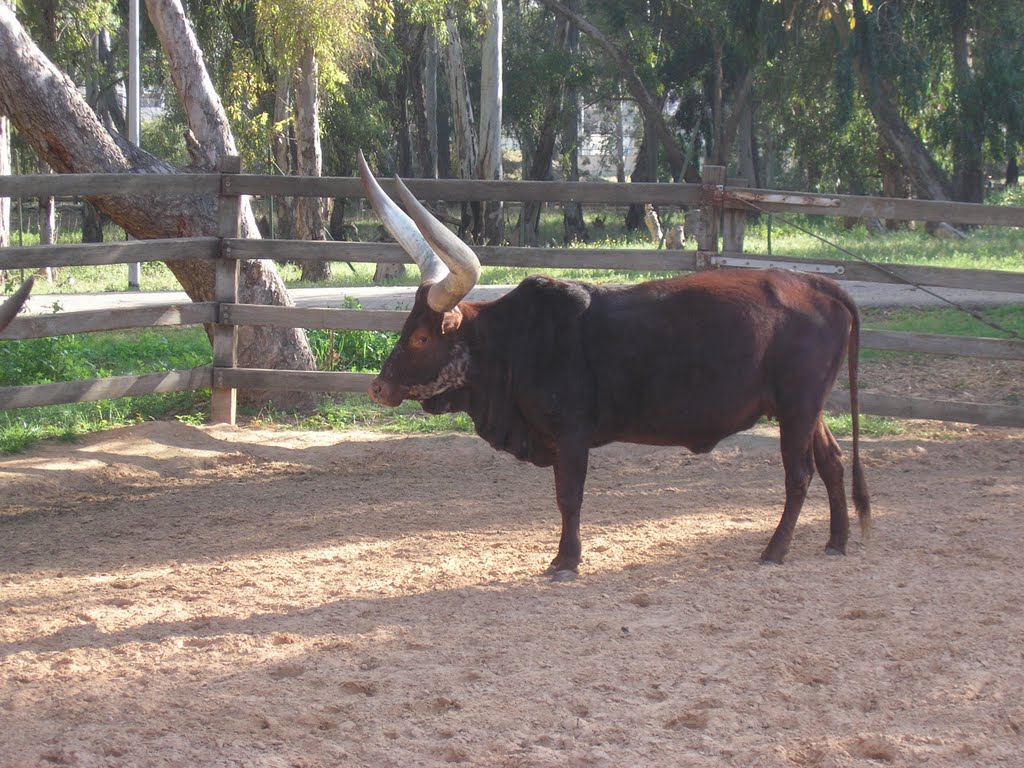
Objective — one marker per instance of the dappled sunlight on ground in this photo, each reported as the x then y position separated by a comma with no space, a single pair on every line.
175,595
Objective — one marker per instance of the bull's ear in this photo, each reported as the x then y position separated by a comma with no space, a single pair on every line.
451,320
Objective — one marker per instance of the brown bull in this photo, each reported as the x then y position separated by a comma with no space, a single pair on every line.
556,367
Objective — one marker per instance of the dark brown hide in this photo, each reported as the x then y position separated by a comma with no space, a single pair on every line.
555,368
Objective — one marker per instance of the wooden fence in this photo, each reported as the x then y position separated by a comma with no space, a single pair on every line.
723,205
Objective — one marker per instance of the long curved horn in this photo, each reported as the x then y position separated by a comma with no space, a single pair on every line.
463,263
402,228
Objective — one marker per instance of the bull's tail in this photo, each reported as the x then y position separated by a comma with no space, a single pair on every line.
861,498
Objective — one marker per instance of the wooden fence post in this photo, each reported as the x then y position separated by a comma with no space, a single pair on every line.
712,189
734,224
223,400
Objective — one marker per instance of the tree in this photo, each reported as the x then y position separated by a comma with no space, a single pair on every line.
5,169
538,54
467,153
490,117
65,132
650,107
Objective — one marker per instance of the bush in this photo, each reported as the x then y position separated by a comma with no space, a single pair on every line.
40,361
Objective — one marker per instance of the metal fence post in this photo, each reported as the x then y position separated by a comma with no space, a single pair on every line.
223,400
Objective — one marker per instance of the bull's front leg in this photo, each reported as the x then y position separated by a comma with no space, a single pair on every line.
570,467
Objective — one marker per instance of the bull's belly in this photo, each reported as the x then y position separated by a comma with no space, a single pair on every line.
698,435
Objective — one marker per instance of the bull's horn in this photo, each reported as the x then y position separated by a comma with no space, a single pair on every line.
402,228
9,309
463,263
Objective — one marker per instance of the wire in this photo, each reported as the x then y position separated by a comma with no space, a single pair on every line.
895,276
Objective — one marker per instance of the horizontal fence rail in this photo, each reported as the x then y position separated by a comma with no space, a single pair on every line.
730,200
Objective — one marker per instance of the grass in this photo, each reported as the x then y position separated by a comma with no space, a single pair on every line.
122,353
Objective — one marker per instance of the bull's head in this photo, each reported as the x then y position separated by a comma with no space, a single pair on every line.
429,358
10,308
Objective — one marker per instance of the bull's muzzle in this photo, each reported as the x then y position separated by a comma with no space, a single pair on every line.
383,392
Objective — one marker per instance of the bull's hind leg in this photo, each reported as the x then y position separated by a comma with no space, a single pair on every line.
828,459
796,436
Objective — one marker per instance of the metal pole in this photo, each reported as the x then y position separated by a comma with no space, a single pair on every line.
134,106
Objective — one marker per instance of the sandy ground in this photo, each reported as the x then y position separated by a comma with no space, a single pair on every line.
180,596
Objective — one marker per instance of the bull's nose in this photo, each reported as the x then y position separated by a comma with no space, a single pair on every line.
376,391
383,394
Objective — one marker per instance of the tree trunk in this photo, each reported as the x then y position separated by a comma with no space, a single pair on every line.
281,134
428,87
968,160
101,94
64,131
746,160
92,223
539,167
930,181
649,106
465,137
716,152
1012,169
5,169
574,229
490,120
309,211
646,169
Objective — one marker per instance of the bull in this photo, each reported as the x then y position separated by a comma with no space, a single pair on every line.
557,367
10,308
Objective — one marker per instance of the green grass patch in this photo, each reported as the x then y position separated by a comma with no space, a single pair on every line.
870,426
22,428
344,412
949,321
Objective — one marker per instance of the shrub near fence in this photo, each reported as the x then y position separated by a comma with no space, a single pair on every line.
723,208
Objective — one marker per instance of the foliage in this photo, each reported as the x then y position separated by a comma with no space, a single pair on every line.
357,412
359,351
334,29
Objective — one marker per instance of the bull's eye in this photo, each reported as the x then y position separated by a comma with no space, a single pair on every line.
420,340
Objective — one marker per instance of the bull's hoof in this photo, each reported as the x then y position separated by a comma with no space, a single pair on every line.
559,572
767,559
835,551
560,576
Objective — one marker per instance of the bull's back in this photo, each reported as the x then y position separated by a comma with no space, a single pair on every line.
692,360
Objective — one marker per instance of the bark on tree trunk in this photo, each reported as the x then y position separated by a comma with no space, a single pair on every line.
465,137
64,131
968,161
490,120
282,145
431,62
309,211
644,170
574,229
5,168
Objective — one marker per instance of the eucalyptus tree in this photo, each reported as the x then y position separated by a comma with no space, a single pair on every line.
310,42
66,133
538,53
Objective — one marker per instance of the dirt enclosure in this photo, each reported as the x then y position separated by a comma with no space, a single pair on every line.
179,596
